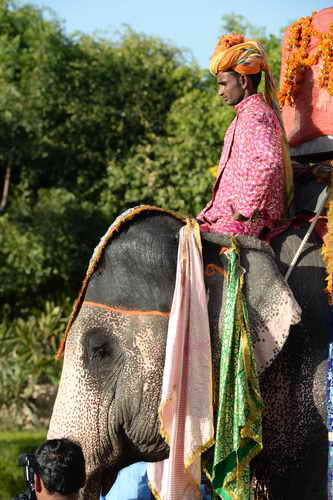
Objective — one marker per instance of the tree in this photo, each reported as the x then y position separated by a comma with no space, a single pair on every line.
23,50
172,171
236,23
93,103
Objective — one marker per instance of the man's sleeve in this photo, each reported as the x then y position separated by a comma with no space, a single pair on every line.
261,162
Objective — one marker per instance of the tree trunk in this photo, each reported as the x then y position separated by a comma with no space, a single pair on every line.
5,190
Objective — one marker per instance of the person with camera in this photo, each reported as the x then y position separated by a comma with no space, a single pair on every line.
56,471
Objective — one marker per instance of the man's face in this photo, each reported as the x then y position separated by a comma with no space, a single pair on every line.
230,88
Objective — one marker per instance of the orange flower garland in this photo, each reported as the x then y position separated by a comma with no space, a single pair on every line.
298,59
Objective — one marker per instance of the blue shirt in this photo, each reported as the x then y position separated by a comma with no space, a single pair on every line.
132,484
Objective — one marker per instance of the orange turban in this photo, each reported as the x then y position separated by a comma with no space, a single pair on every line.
248,57
234,53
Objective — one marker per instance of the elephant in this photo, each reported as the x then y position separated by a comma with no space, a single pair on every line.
110,385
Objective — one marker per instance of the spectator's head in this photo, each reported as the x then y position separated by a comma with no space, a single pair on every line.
60,469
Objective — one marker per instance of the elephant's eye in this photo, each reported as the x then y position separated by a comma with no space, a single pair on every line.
99,351
98,346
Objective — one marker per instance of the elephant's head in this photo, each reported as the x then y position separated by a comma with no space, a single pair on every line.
114,354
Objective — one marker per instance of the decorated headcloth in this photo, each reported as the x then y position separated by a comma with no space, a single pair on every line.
233,52
247,57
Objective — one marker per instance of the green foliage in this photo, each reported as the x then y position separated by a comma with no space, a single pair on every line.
12,445
24,47
45,243
236,23
27,349
173,171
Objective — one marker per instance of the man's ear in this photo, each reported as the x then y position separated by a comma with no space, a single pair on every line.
38,483
244,82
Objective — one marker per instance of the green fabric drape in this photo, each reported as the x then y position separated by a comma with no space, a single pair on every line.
239,416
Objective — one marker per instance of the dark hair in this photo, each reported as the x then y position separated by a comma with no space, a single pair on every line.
255,78
61,466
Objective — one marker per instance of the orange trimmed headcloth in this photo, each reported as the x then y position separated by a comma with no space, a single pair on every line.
233,52
247,57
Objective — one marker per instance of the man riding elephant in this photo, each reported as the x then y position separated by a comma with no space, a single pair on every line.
253,189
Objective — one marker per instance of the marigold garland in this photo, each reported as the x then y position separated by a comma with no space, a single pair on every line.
298,59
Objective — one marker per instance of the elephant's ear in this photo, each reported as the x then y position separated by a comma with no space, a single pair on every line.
272,306
271,303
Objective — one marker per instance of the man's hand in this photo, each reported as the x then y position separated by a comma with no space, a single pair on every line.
239,217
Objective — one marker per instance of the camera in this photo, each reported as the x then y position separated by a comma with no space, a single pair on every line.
28,461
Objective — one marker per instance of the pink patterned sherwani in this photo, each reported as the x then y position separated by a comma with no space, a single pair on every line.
250,174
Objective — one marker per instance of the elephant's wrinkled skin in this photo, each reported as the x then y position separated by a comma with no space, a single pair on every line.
110,386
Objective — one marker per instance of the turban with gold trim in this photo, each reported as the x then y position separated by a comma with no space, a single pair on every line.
247,57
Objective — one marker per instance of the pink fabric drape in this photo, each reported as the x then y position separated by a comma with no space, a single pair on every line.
186,410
